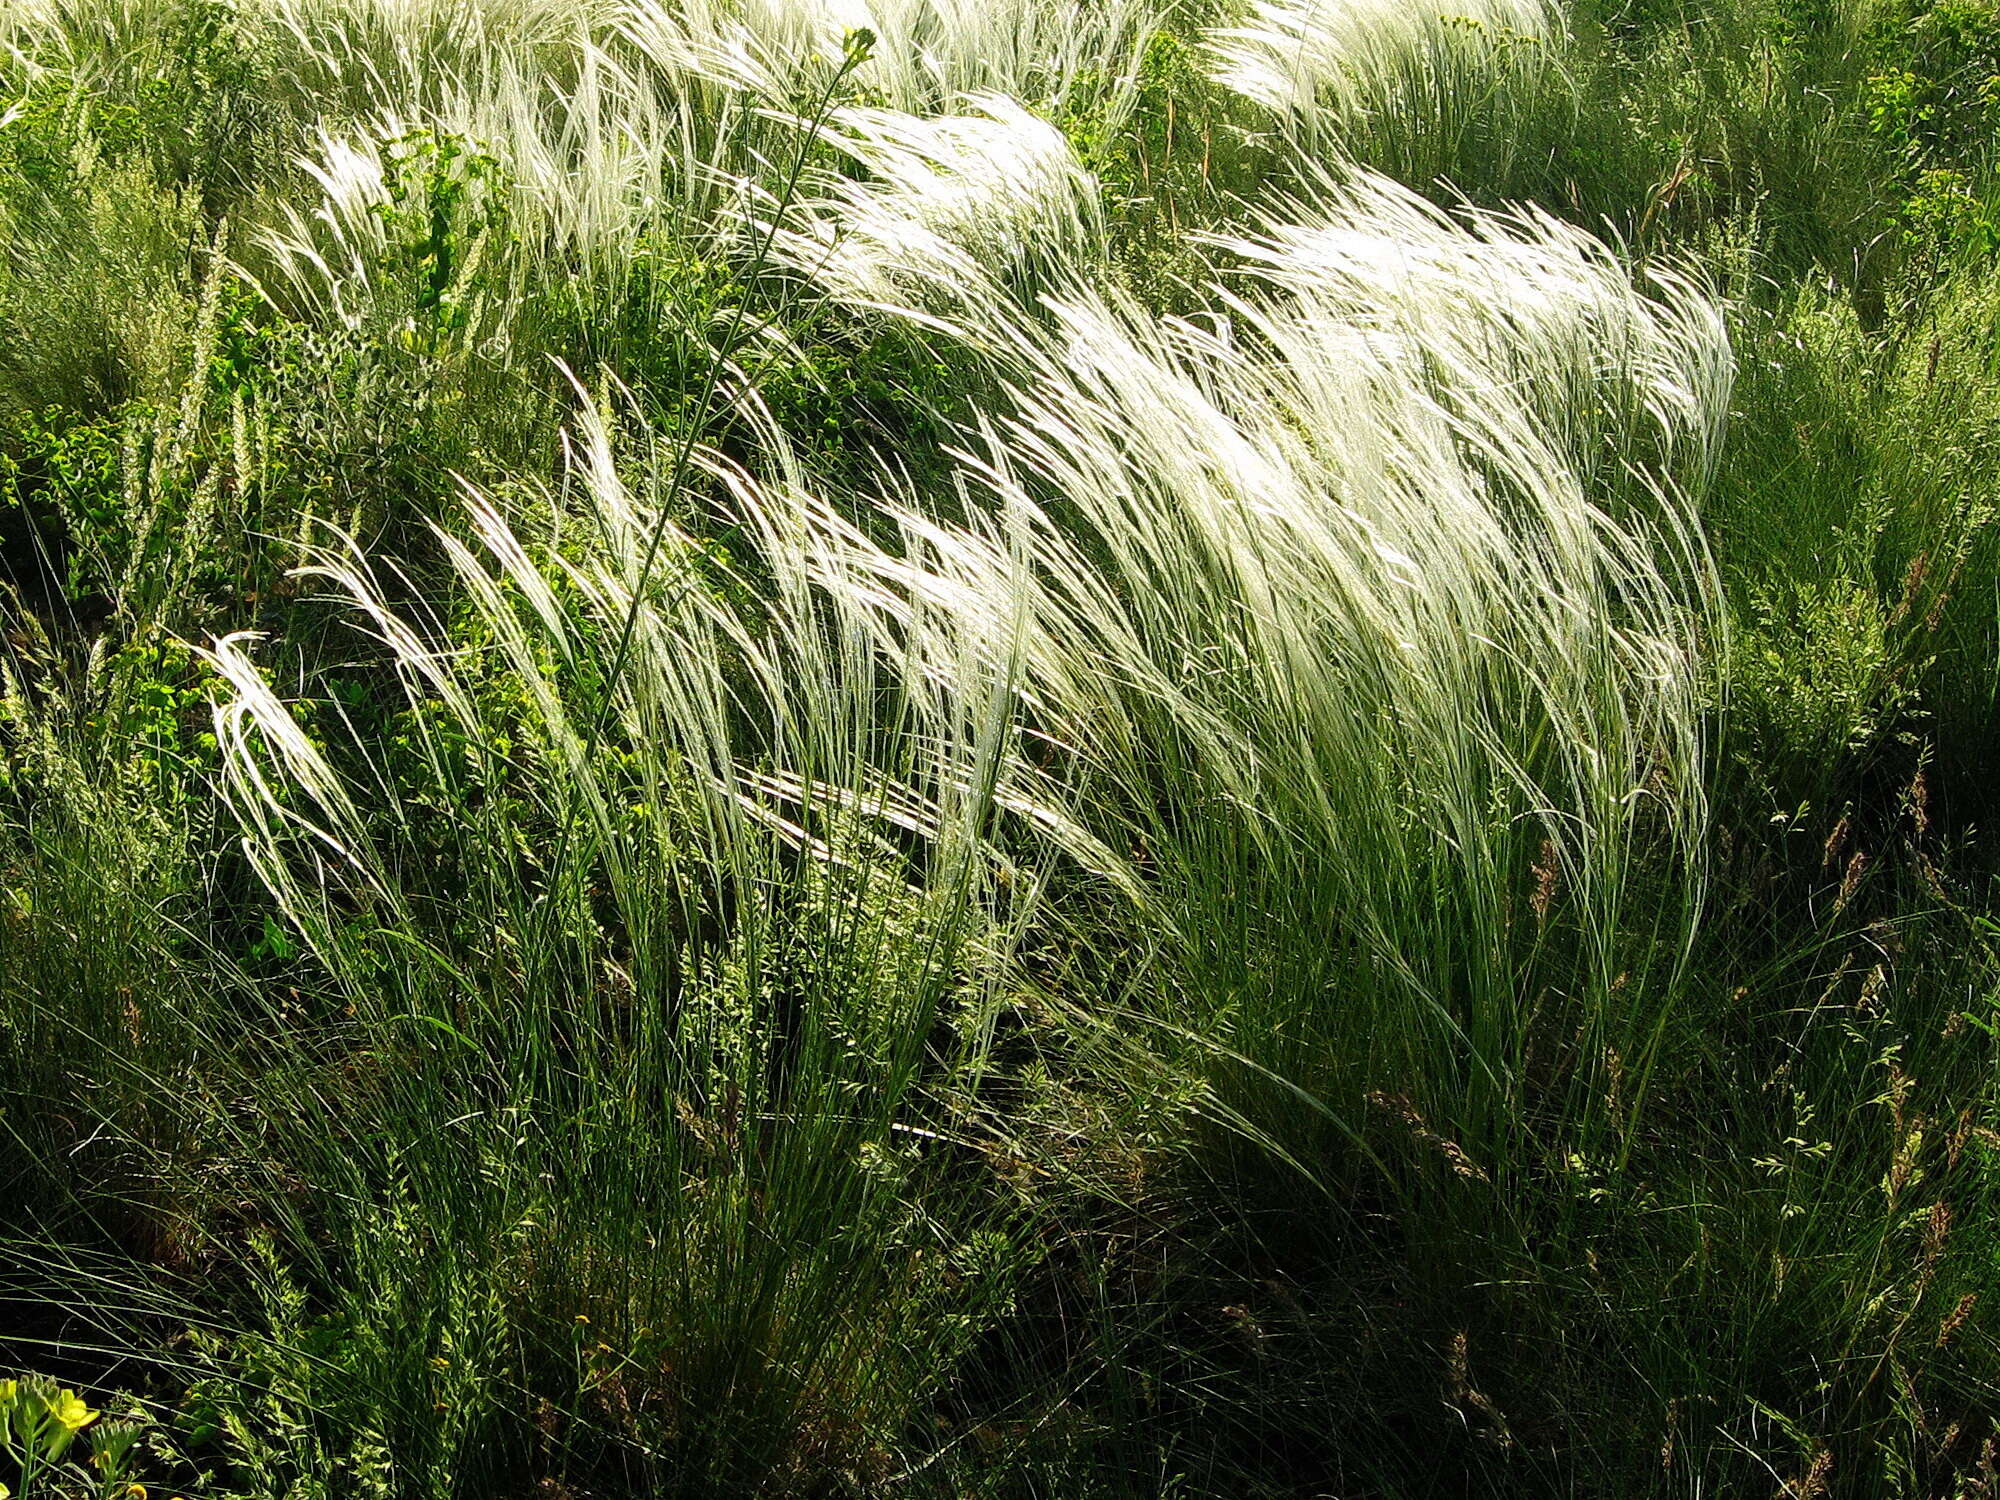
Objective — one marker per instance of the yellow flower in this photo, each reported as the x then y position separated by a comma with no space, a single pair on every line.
135,1492
67,1409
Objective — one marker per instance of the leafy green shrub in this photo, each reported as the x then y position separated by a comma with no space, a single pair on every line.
1817,678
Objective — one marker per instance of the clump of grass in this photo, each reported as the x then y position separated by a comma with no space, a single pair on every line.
1418,91
1274,564
708,947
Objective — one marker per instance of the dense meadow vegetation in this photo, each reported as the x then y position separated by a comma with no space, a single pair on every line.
986,748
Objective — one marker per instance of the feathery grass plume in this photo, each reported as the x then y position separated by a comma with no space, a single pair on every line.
510,196
540,202
931,54
581,104
1512,306
1308,523
348,59
961,216
772,907
1353,603
1410,86
600,136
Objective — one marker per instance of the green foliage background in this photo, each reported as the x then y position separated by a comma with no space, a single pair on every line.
592,1164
